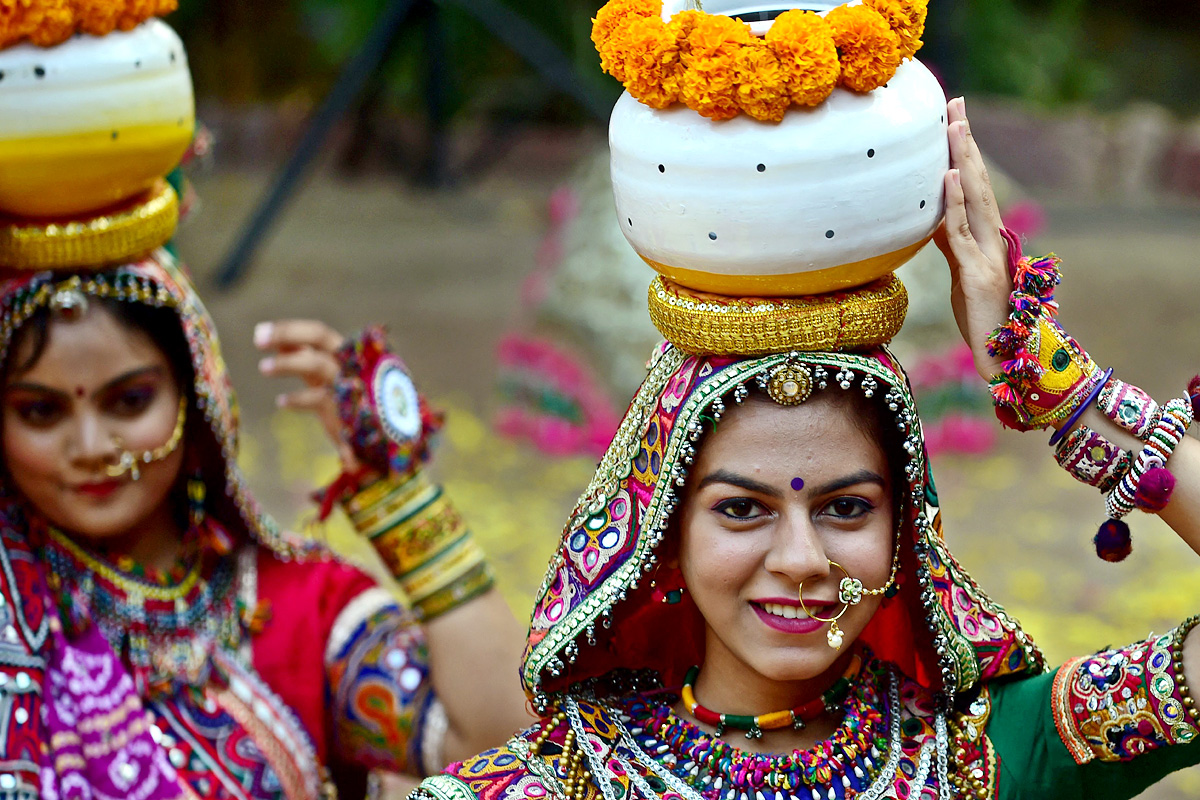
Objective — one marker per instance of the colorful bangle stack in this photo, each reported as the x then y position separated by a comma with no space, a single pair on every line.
423,541
1046,376
1147,484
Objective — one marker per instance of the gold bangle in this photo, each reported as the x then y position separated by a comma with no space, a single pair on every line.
472,584
447,566
407,501
119,236
408,546
707,324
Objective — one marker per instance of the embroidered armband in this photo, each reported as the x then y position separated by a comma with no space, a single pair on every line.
1119,704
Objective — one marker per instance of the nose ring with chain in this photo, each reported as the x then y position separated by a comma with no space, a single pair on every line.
850,593
128,462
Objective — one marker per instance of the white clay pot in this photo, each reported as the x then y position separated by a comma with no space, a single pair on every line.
830,198
93,121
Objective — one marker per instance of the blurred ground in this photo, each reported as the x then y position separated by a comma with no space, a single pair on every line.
442,271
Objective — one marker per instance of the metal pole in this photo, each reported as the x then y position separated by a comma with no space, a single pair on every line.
350,82
437,78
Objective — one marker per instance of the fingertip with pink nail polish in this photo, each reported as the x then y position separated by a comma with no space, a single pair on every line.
266,365
262,334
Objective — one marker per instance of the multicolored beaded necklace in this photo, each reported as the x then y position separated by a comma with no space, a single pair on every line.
842,766
164,633
829,701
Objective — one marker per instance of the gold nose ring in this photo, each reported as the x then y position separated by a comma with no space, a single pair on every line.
128,462
850,593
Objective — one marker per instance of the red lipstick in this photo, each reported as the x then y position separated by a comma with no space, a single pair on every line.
99,490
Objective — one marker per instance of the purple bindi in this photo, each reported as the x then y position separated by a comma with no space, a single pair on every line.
797,483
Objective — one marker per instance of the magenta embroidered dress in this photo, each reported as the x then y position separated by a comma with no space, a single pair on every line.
953,699
270,670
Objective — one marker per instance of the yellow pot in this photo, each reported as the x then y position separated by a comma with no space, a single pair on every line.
92,122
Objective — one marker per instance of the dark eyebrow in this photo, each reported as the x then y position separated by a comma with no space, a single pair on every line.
733,479
862,476
117,381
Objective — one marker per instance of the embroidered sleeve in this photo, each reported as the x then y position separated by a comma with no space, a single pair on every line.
1119,704
385,714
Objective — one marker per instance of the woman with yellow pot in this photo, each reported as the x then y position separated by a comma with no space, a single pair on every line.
160,637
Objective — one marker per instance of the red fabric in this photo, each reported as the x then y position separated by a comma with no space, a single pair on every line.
289,654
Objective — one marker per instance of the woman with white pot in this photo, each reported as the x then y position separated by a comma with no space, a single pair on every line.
753,599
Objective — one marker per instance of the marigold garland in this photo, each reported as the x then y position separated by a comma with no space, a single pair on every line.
49,22
714,65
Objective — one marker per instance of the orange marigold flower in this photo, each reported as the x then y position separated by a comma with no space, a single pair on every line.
867,46
98,17
803,41
681,27
762,84
906,18
652,68
712,35
20,19
56,25
610,23
683,23
708,88
708,54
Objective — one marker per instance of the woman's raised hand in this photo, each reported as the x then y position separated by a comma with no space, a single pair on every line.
306,349
971,242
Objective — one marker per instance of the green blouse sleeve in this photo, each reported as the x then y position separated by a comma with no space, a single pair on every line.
1107,725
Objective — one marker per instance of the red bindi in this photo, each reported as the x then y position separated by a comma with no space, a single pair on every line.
79,391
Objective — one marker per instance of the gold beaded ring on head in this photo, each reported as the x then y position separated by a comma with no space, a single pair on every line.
791,383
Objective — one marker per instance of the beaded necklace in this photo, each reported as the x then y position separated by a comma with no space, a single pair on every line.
797,717
840,767
164,633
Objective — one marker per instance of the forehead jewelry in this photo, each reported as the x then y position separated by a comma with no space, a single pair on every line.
797,484
850,593
790,384
132,464
69,302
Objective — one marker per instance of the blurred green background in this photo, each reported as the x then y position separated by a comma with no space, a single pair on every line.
1050,52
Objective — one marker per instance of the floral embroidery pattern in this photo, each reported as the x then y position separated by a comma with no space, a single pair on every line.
1118,704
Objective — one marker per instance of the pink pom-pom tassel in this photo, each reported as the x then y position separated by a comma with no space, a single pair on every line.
1154,489
1194,393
